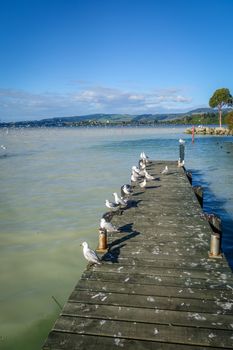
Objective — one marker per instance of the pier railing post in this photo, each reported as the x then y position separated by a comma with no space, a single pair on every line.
103,244
215,246
215,239
199,194
181,147
189,176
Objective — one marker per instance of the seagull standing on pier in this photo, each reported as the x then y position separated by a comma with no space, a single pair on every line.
134,177
165,170
90,255
112,206
180,164
120,201
148,176
126,190
108,226
181,141
143,184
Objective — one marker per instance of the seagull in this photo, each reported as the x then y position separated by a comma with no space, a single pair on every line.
126,190
111,205
165,170
144,157
148,176
135,173
142,164
135,169
134,178
143,183
108,226
180,164
181,141
119,201
3,147
90,255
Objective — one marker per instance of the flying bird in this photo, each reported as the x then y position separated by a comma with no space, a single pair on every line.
90,255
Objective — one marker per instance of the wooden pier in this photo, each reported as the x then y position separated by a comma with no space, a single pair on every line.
157,287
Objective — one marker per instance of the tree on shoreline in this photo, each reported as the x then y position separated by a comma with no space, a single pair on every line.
220,98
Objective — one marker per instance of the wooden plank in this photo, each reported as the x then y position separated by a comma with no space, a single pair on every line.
68,341
158,280
142,289
146,331
152,315
155,302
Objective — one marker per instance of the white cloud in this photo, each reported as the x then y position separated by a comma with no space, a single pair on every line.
22,105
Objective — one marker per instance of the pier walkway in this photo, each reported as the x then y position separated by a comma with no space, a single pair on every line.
157,287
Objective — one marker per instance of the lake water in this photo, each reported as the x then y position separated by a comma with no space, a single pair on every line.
53,185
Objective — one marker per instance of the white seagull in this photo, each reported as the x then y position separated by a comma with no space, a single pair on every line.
148,176
126,190
143,183
120,201
180,164
90,255
144,157
111,205
165,170
134,178
142,164
108,226
181,141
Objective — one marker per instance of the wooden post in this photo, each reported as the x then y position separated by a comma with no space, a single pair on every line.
215,222
215,246
103,246
215,239
199,194
189,176
193,133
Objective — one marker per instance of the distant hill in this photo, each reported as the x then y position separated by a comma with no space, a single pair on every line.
119,119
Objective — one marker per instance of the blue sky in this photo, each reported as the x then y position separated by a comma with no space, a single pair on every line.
75,57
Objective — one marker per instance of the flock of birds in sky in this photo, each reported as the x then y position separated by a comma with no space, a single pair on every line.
140,176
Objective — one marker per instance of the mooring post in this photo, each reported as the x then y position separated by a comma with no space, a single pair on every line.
216,235
181,147
190,177
103,242
193,133
199,194
215,246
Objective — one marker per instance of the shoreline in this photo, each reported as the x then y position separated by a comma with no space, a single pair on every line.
205,130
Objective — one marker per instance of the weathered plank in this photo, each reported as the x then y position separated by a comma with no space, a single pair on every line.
149,315
68,341
146,331
157,287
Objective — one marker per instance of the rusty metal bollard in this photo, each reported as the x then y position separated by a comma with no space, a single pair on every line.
215,246
103,241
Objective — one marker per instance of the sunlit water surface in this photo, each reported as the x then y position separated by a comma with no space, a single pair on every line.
53,185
